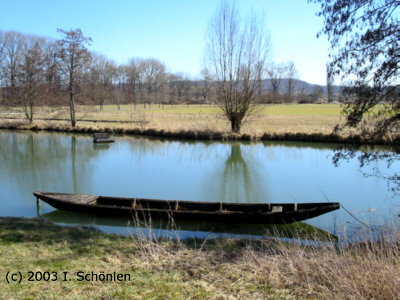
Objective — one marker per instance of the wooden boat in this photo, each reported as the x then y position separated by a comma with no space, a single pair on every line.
265,213
102,138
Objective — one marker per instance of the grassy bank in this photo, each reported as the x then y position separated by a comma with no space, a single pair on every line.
192,269
312,123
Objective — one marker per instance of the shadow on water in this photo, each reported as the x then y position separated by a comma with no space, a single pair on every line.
180,229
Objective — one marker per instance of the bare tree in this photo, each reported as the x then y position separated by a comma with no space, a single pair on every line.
2,46
132,71
73,56
103,73
30,75
275,73
136,79
292,75
303,92
186,85
205,84
121,90
235,53
171,87
329,81
317,93
52,71
177,86
12,55
154,76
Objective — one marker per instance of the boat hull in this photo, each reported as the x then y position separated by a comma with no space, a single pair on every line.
279,213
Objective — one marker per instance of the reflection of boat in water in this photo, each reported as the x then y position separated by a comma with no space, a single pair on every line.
184,229
101,146
265,213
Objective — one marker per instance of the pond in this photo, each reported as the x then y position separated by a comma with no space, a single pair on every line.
156,168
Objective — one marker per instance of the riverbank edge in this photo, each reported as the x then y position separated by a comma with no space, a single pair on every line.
353,139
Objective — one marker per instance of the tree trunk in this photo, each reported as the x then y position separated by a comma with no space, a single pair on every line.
72,107
31,113
236,124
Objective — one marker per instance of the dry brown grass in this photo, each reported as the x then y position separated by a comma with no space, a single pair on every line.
274,269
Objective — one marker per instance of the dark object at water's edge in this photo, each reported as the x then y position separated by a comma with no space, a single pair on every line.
268,213
102,138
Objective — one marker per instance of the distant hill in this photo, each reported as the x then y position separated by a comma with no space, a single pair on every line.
300,85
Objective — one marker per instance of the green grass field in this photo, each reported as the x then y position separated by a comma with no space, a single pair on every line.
301,109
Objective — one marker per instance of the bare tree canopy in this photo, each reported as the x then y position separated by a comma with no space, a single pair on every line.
276,72
292,76
73,57
236,54
102,76
30,79
365,35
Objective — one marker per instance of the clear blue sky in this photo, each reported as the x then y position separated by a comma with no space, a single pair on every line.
172,31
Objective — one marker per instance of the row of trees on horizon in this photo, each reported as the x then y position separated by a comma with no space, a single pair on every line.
34,71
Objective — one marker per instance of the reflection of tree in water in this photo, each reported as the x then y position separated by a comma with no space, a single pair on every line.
73,164
236,177
56,162
240,180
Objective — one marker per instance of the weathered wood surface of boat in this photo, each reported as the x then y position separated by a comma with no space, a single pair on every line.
264,213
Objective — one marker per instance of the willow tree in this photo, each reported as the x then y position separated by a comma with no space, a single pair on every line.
236,54
73,58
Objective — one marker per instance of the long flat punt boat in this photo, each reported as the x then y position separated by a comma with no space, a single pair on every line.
265,213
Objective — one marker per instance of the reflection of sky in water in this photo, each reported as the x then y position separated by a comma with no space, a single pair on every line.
188,170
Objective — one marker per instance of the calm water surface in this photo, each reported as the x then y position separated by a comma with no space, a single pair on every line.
187,170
